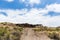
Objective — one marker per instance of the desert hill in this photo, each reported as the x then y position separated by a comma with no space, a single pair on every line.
11,31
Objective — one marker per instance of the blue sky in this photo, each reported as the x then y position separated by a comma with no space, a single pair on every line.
46,12
19,4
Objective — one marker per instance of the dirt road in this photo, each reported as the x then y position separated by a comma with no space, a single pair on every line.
29,34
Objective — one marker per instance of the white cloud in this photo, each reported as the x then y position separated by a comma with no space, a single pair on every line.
34,16
53,7
54,21
12,13
34,1
9,0
22,0
31,2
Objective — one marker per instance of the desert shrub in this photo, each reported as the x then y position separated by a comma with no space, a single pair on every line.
18,28
58,29
36,29
6,33
2,31
54,36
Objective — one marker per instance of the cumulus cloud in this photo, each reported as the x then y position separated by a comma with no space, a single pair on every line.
31,2
33,16
9,0
53,7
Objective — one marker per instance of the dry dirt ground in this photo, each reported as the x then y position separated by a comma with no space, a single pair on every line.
29,34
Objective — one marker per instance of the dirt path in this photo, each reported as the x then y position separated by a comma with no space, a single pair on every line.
29,34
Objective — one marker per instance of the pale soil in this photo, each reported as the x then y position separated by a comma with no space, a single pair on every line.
29,34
